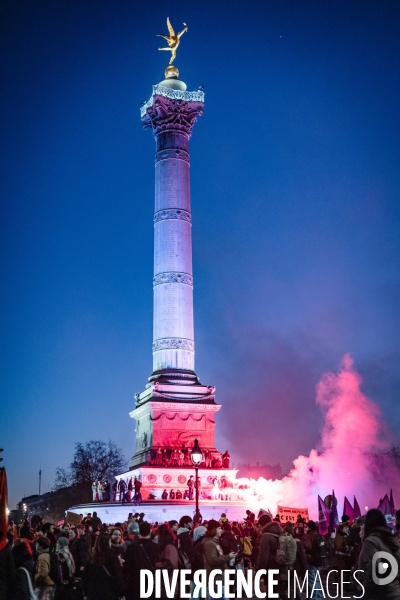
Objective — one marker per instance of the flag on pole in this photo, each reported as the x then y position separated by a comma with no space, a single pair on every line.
392,503
323,516
333,516
386,509
348,509
3,508
357,511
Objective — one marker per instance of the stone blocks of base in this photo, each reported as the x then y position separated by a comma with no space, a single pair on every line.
172,416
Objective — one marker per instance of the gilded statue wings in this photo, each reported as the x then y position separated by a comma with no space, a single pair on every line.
170,28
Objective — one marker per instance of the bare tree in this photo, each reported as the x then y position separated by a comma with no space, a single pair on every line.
94,461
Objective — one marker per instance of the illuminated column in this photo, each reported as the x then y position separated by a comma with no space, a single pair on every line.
171,113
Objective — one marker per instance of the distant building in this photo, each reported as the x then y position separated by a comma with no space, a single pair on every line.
257,470
49,506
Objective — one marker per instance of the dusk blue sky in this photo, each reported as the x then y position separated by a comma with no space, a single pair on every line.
295,183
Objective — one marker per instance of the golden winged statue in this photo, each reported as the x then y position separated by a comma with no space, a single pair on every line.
173,40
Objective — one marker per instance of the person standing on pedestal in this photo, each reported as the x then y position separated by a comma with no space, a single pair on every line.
100,491
121,489
114,490
226,457
138,496
190,484
94,491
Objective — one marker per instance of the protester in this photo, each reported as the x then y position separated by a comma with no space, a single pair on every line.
142,554
169,558
95,522
314,545
43,565
23,559
7,570
102,577
66,570
378,537
214,558
228,541
185,540
79,550
116,543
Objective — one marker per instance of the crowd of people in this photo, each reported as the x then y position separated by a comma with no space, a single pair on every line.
100,561
180,457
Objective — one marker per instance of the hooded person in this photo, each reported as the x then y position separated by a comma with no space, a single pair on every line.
66,569
197,554
267,550
378,537
185,540
214,557
228,541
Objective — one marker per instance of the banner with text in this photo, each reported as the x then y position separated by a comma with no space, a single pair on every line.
290,514
73,518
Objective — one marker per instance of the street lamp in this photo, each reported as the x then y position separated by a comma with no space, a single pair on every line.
197,458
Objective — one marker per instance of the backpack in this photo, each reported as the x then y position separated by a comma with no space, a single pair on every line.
247,546
198,556
287,550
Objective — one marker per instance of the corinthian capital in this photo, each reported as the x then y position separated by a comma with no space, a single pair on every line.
170,114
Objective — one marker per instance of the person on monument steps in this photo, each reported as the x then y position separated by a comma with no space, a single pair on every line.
121,489
114,491
137,484
190,484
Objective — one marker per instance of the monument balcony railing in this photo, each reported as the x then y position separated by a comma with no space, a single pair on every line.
160,90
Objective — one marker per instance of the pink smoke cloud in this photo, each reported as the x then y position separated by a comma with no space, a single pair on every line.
353,440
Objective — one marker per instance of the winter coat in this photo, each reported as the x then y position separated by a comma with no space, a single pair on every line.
198,555
269,542
104,582
7,573
95,523
228,542
380,539
22,589
300,564
342,560
142,554
80,552
185,541
168,559
214,558
42,575
312,545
